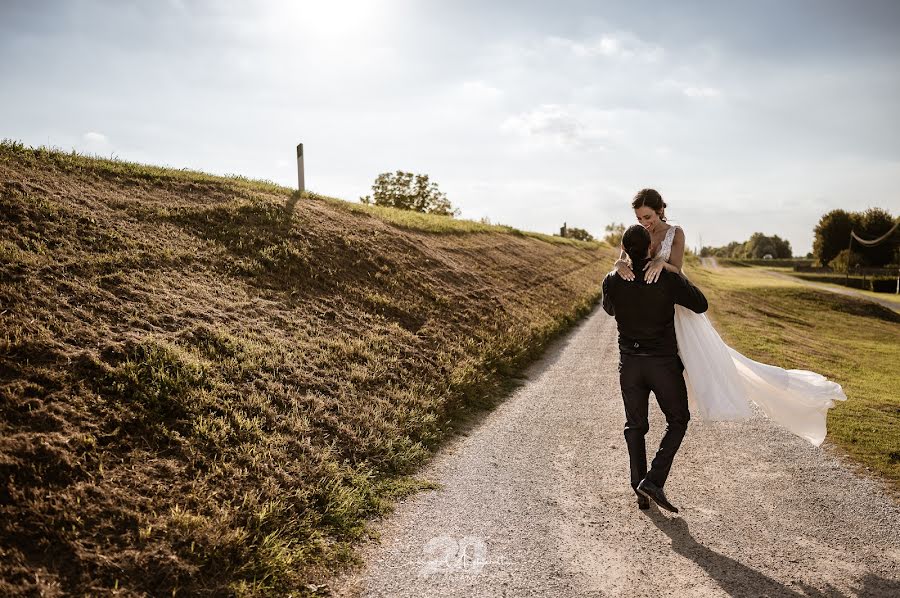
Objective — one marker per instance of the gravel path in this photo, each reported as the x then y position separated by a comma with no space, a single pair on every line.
536,502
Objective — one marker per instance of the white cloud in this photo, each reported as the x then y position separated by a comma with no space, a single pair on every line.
94,138
558,124
622,45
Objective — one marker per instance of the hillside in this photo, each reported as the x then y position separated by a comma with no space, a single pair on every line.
208,384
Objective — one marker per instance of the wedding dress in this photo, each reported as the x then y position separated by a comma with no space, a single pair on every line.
721,382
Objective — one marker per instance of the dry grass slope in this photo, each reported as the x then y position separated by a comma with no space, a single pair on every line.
208,384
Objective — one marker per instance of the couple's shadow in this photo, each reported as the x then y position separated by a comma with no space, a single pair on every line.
737,579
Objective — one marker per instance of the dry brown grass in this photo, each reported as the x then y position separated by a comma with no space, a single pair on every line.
207,385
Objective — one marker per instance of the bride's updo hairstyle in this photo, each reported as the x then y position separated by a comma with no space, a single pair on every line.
653,200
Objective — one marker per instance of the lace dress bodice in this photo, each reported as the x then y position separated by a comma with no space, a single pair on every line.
665,248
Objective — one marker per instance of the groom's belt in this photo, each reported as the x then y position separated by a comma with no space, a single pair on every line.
652,346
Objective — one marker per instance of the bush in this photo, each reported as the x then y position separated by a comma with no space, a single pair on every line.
579,233
755,248
844,260
408,191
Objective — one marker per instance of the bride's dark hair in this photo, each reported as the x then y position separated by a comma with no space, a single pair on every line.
652,199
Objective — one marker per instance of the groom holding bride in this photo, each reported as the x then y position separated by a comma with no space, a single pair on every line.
669,347
649,361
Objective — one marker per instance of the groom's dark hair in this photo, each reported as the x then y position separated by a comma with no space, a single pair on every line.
636,242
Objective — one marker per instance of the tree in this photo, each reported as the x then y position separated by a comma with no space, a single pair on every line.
579,233
408,191
733,249
756,247
844,261
759,245
832,234
614,234
872,224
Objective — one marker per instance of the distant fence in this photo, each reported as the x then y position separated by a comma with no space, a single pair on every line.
878,285
880,280
777,262
875,272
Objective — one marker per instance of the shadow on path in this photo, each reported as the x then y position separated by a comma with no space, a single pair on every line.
737,579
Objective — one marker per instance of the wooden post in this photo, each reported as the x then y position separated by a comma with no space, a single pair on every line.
849,259
301,182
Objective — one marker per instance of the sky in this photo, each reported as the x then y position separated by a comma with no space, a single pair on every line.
746,116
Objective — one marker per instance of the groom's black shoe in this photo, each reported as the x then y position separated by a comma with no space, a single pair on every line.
643,502
652,491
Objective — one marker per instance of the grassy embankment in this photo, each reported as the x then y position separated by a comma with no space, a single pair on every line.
849,340
208,384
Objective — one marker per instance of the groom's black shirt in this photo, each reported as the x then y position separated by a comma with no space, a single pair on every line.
645,313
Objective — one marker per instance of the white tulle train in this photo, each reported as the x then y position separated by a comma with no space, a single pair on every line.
721,383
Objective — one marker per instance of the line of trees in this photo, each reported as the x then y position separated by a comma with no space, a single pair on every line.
757,247
831,245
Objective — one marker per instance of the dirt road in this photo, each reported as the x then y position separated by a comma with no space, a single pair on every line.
536,502
709,262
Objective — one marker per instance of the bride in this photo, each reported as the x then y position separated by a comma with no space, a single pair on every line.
721,382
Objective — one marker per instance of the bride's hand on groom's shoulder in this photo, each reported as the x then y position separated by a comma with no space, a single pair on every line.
624,269
652,270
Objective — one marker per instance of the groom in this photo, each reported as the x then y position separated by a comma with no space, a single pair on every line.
648,361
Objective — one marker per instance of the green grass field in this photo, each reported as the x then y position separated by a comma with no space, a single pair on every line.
852,341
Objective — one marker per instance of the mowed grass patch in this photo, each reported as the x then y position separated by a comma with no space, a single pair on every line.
851,341
209,386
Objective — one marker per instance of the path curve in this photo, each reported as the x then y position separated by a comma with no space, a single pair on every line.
839,291
709,262
536,502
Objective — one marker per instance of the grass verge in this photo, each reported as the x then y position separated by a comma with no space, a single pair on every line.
849,340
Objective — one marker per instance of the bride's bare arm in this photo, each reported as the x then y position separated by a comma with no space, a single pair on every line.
676,258
623,266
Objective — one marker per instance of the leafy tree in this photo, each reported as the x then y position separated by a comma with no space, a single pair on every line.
614,233
874,223
408,191
579,233
759,245
756,247
832,234
733,249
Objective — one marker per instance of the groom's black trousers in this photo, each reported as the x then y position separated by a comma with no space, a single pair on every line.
638,376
